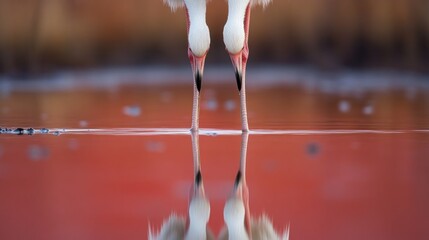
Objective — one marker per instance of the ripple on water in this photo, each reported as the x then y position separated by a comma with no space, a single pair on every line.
37,152
132,111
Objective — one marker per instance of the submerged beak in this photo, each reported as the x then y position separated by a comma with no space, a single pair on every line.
237,62
238,186
198,189
197,64
241,192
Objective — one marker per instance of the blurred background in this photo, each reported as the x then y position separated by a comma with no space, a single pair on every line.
317,68
38,36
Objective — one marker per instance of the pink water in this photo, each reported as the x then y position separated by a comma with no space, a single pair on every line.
334,162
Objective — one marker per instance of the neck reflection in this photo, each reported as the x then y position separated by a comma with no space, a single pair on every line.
194,226
239,222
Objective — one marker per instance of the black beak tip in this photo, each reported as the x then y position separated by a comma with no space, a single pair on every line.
198,79
238,77
238,179
198,178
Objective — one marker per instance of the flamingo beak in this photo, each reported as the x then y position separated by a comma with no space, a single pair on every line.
238,186
197,63
237,62
241,192
198,191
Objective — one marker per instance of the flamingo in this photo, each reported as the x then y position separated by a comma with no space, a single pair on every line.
235,37
198,45
239,224
195,227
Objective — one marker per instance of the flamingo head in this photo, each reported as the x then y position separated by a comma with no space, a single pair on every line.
235,36
198,37
199,211
235,212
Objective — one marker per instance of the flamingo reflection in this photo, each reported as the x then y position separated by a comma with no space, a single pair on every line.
194,227
239,224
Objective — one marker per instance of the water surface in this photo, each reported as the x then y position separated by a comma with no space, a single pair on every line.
341,156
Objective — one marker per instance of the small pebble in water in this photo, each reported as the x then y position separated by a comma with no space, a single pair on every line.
210,105
37,153
132,111
19,131
44,130
155,146
30,131
313,149
229,105
344,106
5,130
368,110
83,123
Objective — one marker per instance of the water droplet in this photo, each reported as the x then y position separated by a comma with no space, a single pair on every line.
230,105
313,149
37,153
210,105
83,123
212,134
154,146
344,106
19,131
368,110
44,130
30,131
56,133
132,111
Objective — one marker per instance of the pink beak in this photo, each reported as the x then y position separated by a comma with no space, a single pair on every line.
239,61
197,64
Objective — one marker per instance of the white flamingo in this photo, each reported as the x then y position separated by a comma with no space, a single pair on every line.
198,45
239,224
195,227
235,37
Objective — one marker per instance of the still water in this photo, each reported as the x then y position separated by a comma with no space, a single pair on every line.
333,156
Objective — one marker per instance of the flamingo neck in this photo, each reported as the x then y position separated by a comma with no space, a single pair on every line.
237,232
235,30
198,31
196,231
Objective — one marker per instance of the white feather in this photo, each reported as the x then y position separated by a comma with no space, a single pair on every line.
262,229
175,4
233,32
260,2
199,34
172,229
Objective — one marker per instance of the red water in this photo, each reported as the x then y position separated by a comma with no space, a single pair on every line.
325,185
